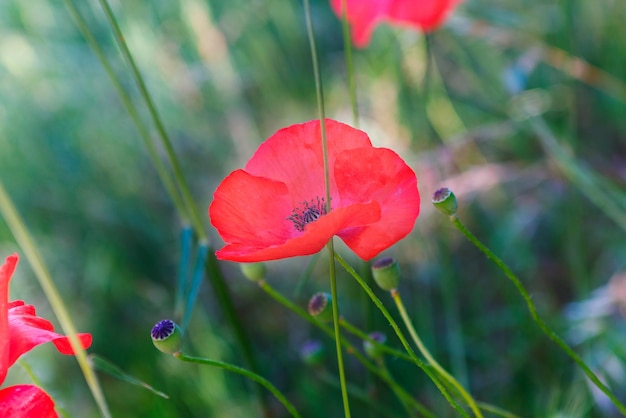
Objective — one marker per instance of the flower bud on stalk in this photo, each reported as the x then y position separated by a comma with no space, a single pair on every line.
253,271
445,201
321,306
312,353
386,273
167,336
372,350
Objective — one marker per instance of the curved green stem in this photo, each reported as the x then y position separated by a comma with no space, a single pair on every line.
400,335
347,346
363,336
238,370
533,312
27,244
410,404
163,173
185,208
167,144
431,360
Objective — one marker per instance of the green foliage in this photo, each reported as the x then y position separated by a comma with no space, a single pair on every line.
225,75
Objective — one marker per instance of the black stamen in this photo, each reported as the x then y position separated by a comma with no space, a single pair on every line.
309,212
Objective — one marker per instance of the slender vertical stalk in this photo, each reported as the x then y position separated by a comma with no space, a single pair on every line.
184,210
372,368
333,279
26,242
250,375
167,144
431,360
162,171
400,335
533,312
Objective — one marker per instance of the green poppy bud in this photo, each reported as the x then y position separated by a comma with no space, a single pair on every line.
253,271
386,273
167,336
374,350
312,353
321,306
445,201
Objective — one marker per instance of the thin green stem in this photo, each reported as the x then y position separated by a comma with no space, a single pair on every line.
347,48
162,171
533,312
407,401
363,336
348,347
250,375
333,279
213,272
167,144
496,410
337,330
431,360
26,242
400,335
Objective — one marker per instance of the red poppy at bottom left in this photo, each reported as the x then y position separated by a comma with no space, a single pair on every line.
20,331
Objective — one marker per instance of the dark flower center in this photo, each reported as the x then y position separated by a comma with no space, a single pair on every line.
310,211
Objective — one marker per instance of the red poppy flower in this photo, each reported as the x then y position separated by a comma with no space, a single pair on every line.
20,331
276,207
364,15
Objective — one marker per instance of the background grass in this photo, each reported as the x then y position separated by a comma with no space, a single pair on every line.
225,76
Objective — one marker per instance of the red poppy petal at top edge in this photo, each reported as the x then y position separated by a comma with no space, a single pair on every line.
315,236
6,271
378,174
28,331
426,15
293,156
251,210
26,401
363,16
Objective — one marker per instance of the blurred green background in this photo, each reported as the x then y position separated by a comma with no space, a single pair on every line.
517,106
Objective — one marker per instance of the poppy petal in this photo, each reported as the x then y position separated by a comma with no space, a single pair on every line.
252,210
425,15
315,236
6,271
293,156
381,175
26,401
28,331
364,15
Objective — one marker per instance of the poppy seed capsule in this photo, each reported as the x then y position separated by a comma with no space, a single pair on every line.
445,201
321,306
253,271
374,350
167,336
386,273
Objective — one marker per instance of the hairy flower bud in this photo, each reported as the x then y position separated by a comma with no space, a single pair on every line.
386,273
445,201
321,306
167,336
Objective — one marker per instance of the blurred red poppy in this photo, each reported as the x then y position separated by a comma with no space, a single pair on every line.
20,331
276,207
364,15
